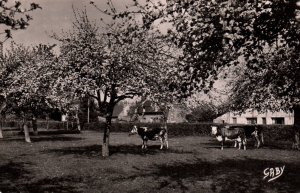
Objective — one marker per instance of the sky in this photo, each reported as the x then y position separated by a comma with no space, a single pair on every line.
55,16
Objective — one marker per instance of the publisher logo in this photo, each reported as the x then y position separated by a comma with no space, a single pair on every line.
271,174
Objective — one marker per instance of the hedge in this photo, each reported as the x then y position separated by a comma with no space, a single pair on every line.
52,125
174,129
271,132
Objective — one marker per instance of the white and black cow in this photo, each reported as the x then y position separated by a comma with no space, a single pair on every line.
236,134
151,134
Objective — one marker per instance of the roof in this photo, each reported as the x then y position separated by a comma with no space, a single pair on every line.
153,113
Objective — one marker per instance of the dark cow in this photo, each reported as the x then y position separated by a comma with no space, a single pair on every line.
256,132
236,134
151,134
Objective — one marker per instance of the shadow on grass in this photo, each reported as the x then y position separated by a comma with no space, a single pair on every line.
88,151
53,132
55,138
95,150
41,138
229,175
56,184
15,178
199,175
10,175
279,145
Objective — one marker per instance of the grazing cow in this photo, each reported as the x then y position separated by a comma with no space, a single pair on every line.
236,134
151,134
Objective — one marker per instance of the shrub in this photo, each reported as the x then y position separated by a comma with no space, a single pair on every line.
271,132
174,129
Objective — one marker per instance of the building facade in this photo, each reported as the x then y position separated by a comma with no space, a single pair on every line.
254,117
151,117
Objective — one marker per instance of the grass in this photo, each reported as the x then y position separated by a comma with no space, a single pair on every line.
73,163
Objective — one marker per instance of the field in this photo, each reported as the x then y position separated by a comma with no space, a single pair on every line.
73,163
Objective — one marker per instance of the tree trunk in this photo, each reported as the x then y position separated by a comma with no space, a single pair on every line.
1,126
105,145
34,126
47,122
26,132
296,126
78,122
1,134
2,116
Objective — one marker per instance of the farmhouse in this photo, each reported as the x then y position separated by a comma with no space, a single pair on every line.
254,117
151,117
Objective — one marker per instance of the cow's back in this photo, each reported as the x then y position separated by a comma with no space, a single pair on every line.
232,132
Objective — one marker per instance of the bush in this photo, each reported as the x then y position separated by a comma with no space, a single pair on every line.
278,132
274,132
52,125
271,132
174,129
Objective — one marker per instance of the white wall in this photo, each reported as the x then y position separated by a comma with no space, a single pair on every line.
242,118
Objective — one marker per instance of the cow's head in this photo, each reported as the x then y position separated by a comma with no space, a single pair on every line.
254,133
214,130
133,130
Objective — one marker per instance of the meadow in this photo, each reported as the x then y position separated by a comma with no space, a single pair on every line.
57,162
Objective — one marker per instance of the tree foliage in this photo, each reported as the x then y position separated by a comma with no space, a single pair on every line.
214,34
113,65
14,16
26,79
270,77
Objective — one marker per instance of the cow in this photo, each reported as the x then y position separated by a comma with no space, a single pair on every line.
236,134
257,133
151,134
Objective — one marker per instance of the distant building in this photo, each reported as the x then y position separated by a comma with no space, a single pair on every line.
114,119
253,117
177,114
151,117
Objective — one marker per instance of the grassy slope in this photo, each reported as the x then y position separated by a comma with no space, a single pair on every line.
73,163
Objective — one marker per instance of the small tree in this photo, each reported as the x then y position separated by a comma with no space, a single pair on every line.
12,17
26,82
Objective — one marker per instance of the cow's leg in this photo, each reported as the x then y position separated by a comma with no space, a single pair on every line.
240,144
235,144
239,140
256,137
262,138
161,142
257,141
167,142
143,145
222,142
245,143
296,141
